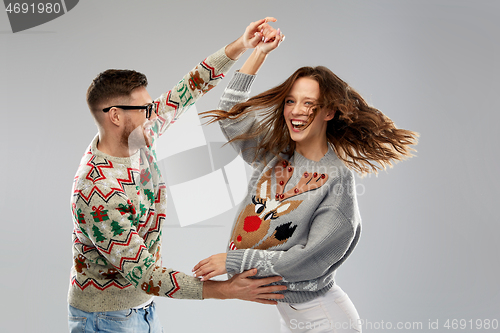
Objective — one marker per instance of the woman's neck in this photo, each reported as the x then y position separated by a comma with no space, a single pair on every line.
313,152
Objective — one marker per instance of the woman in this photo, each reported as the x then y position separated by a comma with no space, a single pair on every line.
300,219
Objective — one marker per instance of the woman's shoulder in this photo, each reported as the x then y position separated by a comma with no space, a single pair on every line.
342,189
336,168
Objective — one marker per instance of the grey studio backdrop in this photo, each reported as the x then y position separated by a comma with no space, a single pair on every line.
429,248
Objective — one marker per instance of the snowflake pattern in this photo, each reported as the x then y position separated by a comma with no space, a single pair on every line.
311,286
264,263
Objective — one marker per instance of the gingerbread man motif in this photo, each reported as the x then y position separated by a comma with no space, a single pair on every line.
197,83
150,288
80,264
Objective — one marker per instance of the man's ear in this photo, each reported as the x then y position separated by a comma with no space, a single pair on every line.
115,116
329,115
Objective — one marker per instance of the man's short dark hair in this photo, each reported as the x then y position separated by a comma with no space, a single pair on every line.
113,83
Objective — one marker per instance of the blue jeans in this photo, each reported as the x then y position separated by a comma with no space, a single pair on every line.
144,320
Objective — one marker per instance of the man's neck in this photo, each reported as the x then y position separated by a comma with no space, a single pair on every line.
113,147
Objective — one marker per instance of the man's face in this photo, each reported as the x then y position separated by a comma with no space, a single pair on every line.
136,129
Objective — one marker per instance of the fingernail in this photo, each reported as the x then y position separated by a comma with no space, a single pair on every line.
278,31
265,40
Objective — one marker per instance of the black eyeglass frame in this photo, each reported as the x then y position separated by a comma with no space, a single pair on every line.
149,108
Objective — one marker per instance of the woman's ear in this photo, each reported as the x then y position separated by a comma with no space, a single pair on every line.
329,115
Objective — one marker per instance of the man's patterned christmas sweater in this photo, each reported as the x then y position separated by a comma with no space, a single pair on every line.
118,207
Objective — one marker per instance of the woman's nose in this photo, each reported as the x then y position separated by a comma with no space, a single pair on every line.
299,110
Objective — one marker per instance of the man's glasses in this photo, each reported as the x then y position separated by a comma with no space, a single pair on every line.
149,108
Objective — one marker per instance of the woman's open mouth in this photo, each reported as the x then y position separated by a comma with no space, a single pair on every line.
298,125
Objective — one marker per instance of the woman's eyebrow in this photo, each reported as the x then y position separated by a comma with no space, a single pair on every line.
311,98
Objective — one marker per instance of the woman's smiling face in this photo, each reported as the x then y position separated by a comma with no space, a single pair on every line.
308,131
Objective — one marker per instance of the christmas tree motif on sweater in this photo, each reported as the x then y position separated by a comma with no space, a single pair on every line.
254,221
117,230
84,232
154,128
143,209
99,237
150,195
134,221
151,153
156,157
99,214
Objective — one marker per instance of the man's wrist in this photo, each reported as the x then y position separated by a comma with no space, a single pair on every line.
235,49
214,289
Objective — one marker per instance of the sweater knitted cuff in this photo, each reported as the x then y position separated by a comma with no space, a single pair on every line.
241,82
191,288
221,61
234,260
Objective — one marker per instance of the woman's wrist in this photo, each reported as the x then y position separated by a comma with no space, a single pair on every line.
254,62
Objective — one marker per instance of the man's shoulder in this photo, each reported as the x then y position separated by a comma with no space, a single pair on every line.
98,175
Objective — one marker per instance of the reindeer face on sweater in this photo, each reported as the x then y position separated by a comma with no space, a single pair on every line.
255,220
252,228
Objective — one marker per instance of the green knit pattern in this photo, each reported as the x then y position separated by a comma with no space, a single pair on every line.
119,206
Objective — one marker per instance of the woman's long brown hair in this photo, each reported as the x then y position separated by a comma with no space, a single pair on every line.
362,136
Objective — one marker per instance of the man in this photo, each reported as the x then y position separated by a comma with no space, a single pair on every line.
119,200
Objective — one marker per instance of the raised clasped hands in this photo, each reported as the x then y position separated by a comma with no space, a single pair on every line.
262,36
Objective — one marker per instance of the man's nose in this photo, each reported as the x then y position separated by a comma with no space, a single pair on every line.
153,115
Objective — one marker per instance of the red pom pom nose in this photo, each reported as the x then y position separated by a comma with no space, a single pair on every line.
252,223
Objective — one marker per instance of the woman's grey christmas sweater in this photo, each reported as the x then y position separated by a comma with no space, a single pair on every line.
299,219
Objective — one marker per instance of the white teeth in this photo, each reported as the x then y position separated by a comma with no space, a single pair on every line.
298,123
